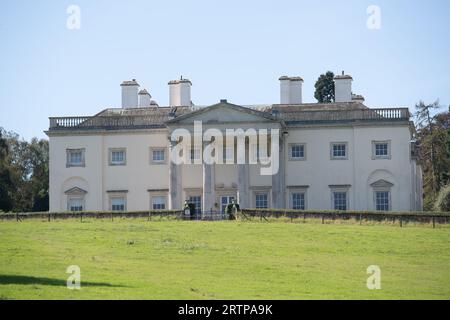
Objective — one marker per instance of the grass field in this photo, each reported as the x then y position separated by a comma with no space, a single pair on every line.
137,259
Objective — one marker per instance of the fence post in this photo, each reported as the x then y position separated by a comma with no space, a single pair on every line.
17,216
49,217
401,222
323,218
434,223
112,217
81,216
360,219
148,218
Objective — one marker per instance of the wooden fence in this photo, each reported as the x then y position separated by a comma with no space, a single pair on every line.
98,215
401,218
397,217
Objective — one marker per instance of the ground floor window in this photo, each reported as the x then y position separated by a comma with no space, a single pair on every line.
159,203
197,201
261,201
225,201
75,204
382,200
298,201
340,200
118,203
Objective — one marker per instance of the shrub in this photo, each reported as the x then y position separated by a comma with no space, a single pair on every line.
443,200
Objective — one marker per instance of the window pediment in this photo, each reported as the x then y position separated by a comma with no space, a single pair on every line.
75,191
381,184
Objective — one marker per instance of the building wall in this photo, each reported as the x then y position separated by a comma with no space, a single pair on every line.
316,173
358,171
98,177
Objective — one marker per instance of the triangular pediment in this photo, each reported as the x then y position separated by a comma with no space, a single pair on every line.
381,184
75,191
224,112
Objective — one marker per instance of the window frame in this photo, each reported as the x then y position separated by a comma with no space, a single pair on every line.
156,196
291,198
192,155
291,157
198,210
110,156
340,189
158,162
79,197
381,157
389,204
118,196
70,164
332,156
382,185
262,193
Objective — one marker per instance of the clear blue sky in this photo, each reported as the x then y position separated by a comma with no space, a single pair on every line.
229,49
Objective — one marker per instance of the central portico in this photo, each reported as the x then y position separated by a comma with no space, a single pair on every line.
218,184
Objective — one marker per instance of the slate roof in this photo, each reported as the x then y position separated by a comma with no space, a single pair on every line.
160,117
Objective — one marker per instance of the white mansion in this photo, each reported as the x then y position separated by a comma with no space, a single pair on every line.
340,155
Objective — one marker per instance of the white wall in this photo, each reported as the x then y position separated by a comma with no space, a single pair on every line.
98,177
318,171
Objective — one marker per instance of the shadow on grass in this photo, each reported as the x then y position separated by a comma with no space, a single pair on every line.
27,280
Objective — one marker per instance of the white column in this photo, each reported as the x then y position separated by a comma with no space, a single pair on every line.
209,196
278,180
243,186
175,176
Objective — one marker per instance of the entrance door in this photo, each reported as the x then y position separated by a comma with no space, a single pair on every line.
224,201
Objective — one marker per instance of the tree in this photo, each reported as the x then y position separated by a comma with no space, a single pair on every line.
25,174
5,178
434,155
443,200
325,88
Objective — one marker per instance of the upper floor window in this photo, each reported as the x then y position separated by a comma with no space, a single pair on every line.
229,154
75,158
158,155
381,150
117,157
196,155
297,152
339,150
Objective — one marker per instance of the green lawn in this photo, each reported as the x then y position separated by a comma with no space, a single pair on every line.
137,259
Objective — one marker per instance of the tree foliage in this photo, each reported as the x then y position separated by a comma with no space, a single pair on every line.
24,173
443,200
325,88
433,134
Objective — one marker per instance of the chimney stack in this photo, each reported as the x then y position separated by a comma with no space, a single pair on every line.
180,93
290,90
130,94
145,99
343,88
